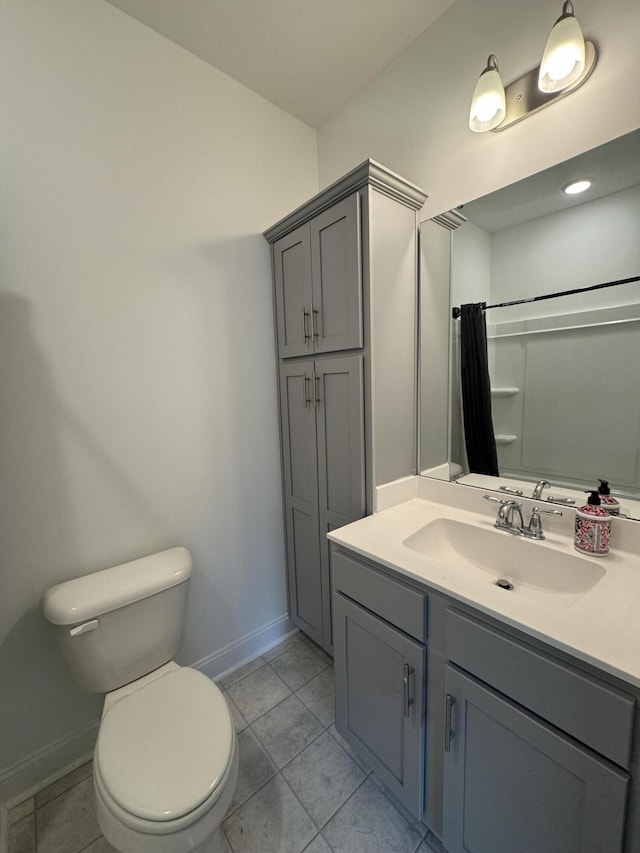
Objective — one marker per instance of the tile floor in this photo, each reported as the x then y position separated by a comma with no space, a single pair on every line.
299,787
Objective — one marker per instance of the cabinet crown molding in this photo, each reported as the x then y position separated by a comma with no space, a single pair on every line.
369,173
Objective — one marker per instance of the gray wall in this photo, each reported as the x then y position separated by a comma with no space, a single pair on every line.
413,116
137,367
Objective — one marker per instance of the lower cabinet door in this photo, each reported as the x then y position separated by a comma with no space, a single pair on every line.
380,690
513,784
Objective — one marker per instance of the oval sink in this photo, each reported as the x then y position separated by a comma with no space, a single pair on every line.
533,569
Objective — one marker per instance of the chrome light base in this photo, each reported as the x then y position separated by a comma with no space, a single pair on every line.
523,98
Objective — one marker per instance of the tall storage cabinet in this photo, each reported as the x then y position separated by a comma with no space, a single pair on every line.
345,293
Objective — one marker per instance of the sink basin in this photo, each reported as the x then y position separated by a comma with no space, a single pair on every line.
534,570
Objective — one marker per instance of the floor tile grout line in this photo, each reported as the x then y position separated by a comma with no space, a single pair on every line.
301,804
225,688
86,847
264,746
310,710
355,791
344,802
304,683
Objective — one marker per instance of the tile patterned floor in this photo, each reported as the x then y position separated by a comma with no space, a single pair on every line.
300,788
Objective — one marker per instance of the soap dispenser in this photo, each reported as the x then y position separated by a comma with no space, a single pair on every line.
607,500
593,528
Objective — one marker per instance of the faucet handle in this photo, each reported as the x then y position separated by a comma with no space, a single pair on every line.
502,501
534,530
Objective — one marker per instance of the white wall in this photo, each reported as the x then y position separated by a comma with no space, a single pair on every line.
591,243
413,116
137,369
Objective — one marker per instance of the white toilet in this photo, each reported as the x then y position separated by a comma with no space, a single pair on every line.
166,758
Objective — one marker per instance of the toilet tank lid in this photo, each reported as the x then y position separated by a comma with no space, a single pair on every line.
92,595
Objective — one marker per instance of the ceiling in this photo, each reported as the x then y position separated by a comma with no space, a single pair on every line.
309,57
613,167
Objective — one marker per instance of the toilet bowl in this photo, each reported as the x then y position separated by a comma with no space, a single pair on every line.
166,757
165,764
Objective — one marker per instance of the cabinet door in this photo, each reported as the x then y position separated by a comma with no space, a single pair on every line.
292,280
338,393
380,683
513,783
337,277
301,497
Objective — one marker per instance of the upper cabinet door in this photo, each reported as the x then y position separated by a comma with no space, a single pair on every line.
337,277
292,275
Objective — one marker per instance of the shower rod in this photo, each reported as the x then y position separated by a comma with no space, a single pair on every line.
455,312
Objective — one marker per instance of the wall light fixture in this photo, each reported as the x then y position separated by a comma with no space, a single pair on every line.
567,62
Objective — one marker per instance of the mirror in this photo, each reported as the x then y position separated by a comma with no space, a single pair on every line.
564,370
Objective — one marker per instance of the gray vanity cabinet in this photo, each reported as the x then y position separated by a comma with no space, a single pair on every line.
380,673
323,436
318,283
536,751
514,783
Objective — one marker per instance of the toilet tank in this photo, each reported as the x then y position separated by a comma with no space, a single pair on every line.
119,624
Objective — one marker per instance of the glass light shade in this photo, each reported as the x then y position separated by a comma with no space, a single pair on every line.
488,107
564,55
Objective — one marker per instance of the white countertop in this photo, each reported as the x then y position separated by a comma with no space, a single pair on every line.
600,627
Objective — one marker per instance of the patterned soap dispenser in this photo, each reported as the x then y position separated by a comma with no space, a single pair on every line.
607,500
593,528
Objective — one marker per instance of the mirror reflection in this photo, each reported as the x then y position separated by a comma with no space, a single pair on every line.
564,385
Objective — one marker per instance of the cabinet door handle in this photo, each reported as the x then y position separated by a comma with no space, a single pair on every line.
316,382
314,322
305,324
449,732
408,700
307,398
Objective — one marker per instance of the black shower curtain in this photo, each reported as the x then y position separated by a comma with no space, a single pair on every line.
476,391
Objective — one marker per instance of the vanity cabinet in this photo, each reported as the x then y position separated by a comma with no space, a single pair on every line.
535,750
381,675
514,783
318,283
345,295
519,747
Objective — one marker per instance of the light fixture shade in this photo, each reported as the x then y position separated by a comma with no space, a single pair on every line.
488,106
563,60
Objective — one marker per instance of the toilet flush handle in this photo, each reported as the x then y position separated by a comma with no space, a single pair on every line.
84,628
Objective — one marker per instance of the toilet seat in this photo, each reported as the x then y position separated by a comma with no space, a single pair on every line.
164,752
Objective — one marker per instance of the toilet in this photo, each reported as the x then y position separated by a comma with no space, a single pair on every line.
166,758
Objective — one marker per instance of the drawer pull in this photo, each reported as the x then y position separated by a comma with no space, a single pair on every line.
407,698
449,732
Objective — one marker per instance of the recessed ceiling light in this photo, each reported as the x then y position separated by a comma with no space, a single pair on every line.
576,187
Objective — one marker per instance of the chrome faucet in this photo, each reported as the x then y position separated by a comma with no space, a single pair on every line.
537,491
510,518
507,514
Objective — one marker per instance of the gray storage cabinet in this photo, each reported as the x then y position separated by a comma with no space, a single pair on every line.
318,283
345,294
323,440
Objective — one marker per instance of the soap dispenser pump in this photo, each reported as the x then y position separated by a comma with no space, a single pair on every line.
607,500
593,528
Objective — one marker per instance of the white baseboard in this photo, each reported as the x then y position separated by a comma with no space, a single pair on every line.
41,768
241,651
46,765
